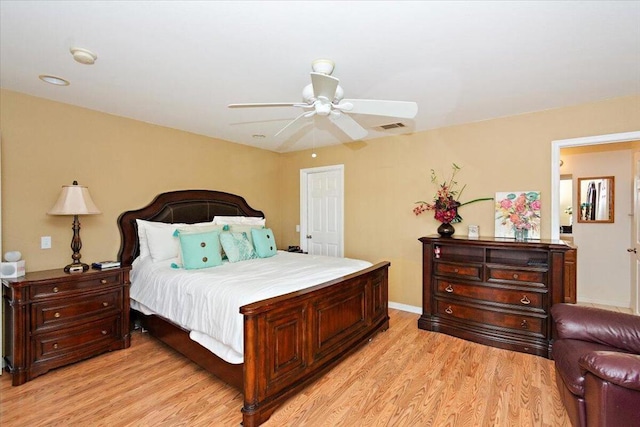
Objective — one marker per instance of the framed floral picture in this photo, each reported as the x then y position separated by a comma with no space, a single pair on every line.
518,215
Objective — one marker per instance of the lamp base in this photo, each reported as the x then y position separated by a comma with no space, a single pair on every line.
78,267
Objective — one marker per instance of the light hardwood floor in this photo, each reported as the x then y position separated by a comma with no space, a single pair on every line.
404,377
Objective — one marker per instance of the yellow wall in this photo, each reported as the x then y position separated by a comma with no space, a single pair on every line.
125,163
384,177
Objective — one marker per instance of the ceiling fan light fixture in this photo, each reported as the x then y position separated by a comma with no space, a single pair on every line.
83,56
324,66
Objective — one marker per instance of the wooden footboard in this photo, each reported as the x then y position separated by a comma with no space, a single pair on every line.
292,339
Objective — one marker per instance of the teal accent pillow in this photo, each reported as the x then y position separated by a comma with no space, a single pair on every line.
264,242
237,246
200,250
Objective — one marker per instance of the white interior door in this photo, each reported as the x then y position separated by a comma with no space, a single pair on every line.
634,249
322,216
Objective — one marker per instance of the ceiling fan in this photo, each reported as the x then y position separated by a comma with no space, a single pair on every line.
324,97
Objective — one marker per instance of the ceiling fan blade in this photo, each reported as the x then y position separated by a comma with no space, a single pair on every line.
348,125
402,109
324,85
271,104
305,114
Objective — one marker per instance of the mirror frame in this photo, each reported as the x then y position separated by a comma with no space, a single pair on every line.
611,200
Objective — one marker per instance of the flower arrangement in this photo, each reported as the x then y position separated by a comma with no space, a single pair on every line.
446,200
520,211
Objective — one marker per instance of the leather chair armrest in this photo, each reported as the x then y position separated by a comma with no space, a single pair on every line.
622,369
614,329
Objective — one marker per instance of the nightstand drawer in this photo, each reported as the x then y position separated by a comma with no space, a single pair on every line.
74,343
528,298
63,312
517,322
81,283
463,271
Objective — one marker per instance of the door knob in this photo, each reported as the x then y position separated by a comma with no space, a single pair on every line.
632,250
308,236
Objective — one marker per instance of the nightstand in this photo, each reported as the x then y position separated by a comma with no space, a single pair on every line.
53,318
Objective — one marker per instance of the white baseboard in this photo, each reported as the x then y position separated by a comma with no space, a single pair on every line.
405,307
600,301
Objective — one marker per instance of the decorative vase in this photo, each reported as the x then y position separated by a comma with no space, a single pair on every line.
520,234
446,229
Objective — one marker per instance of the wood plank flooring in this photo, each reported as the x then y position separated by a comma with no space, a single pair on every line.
404,377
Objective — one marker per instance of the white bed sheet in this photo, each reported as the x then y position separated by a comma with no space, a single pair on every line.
207,302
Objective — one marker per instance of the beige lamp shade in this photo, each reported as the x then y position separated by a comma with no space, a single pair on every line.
74,200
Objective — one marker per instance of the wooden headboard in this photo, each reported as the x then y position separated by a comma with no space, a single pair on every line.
185,206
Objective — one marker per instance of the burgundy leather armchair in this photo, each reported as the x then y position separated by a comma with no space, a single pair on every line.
597,359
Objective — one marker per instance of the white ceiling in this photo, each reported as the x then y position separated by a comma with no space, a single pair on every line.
178,64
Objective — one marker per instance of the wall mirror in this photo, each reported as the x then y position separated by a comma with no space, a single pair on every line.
595,199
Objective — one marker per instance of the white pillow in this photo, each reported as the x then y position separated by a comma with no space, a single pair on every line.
157,239
230,220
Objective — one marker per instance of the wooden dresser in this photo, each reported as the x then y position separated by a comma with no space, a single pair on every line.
53,318
493,291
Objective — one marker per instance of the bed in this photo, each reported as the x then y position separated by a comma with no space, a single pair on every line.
289,340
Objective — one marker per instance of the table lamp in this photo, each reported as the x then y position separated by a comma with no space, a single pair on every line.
75,200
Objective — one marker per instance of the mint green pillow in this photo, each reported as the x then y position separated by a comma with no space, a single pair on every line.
237,246
264,242
200,250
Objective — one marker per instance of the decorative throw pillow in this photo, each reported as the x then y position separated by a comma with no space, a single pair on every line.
264,242
237,246
199,250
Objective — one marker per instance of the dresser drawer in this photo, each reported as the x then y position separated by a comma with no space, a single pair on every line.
76,342
65,287
517,322
536,278
528,298
461,271
62,312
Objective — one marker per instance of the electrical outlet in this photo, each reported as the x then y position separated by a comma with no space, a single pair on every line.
45,242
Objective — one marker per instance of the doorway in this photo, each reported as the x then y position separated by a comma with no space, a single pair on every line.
555,186
322,210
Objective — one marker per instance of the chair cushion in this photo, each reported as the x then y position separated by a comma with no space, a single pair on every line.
567,353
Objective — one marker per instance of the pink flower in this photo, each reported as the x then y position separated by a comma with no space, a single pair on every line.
505,204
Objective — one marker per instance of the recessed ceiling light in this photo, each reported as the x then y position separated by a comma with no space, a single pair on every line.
58,81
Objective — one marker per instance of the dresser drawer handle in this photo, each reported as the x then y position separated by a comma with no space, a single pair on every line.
104,332
525,300
55,346
448,310
57,314
455,270
105,304
103,281
448,289
55,290
524,324
515,275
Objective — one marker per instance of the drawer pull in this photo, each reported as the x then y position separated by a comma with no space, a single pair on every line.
448,310
103,281
57,314
55,290
455,270
104,332
55,346
524,324
515,275
525,300
448,289
105,304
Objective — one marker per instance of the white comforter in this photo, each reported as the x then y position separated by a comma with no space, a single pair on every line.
207,302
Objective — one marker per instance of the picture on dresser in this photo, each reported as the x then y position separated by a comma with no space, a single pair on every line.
518,215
